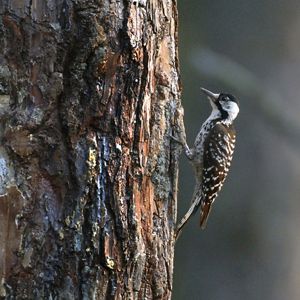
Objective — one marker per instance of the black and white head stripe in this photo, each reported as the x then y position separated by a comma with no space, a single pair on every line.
228,97
228,106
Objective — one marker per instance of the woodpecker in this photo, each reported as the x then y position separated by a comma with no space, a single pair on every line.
211,155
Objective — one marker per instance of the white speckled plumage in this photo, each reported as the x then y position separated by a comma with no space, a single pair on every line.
212,154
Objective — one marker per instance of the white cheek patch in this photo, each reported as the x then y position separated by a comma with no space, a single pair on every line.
232,110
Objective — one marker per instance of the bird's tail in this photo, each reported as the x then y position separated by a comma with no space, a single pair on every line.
205,210
186,217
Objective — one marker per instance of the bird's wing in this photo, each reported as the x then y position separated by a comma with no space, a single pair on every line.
217,155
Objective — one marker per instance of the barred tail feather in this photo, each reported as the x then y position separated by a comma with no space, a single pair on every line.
205,210
186,217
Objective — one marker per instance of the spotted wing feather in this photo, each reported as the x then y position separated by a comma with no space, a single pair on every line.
217,156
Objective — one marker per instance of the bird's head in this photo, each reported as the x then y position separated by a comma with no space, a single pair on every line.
225,106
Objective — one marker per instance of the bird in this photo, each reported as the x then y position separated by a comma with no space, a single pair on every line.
211,154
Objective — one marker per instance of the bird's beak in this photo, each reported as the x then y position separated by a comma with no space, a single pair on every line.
211,96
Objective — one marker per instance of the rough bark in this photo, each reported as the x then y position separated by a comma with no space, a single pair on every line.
89,94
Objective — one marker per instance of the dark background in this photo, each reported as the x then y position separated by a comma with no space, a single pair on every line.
251,246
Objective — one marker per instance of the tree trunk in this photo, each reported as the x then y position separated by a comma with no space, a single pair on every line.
89,94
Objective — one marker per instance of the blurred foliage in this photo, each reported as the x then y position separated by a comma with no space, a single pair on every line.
251,247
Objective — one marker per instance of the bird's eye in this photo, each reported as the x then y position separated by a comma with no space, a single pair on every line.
226,98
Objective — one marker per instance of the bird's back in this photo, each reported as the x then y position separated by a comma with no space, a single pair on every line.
217,155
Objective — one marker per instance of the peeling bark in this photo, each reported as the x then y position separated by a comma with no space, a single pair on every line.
89,94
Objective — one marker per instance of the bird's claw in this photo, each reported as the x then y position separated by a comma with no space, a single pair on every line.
176,139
